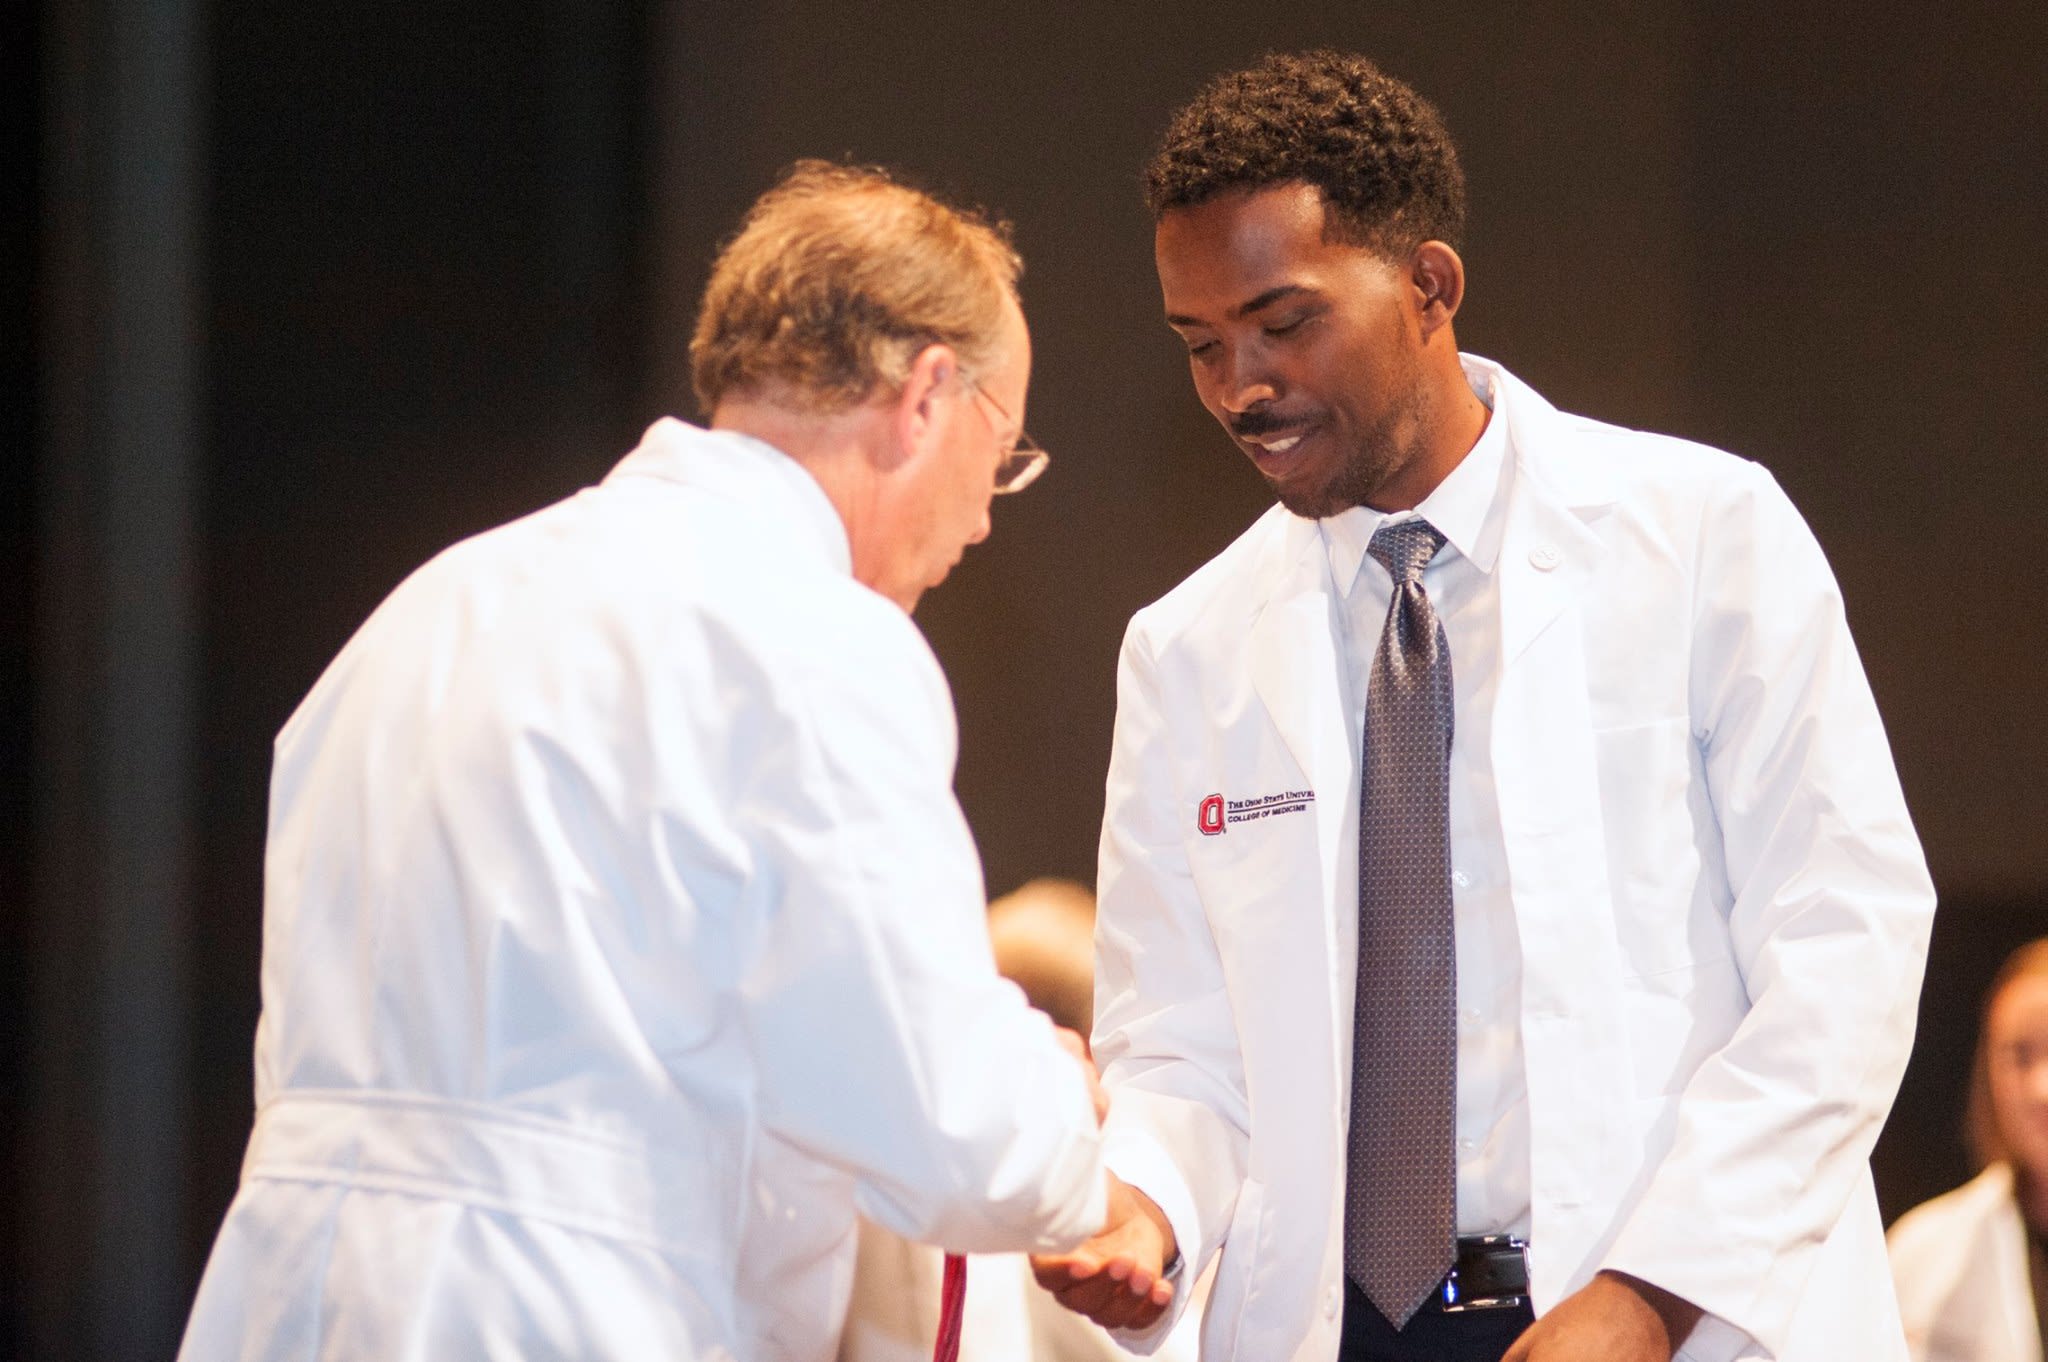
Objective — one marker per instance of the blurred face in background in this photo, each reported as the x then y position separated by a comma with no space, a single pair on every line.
2016,1055
1043,934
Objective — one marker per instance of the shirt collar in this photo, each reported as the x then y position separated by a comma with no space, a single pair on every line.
1464,507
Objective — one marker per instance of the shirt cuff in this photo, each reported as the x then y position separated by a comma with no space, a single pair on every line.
1140,1162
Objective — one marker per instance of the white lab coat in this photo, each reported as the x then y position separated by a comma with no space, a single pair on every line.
622,936
1960,1264
1721,907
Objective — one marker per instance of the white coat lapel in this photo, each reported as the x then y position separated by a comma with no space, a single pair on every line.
1547,558
1547,780
1548,554
1298,669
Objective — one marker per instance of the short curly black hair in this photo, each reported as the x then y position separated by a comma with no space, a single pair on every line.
1379,151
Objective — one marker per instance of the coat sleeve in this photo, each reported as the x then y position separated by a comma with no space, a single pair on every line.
1165,1035
886,1043
1829,919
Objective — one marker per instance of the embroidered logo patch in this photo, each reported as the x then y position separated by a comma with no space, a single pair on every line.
1217,813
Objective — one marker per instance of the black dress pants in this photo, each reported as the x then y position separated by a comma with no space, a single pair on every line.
1432,1336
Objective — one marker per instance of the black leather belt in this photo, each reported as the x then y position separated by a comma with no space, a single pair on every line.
1492,1273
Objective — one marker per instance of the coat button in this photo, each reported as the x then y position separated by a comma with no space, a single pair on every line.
1331,1299
1545,558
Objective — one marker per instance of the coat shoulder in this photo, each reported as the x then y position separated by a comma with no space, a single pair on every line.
1579,449
1933,1228
1677,491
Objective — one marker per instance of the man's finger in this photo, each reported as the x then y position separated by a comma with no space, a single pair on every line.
1127,1313
1051,1273
1136,1278
1057,1273
1080,1267
1116,1307
1087,1298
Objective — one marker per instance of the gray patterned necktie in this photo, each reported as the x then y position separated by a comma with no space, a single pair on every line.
1400,1199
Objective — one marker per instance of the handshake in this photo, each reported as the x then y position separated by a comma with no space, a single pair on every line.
1117,1277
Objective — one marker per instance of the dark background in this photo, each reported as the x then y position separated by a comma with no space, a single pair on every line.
296,294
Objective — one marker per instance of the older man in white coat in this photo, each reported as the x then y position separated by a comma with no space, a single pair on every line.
1511,926
622,935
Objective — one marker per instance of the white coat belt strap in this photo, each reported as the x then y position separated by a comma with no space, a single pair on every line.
534,1168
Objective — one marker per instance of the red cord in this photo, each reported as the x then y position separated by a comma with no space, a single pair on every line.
952,1306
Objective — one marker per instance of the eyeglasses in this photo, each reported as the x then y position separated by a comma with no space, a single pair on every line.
1019,467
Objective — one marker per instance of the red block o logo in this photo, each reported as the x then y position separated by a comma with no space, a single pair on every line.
1210,819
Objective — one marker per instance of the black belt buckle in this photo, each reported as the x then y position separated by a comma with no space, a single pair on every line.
1491,1273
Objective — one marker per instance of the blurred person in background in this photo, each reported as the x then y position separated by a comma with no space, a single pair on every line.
622,935
1043,935
1972,1266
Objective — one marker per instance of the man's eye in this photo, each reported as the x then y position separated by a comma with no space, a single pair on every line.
1282,328
1199,349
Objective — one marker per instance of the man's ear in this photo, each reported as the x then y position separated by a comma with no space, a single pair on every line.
1438,278
917,418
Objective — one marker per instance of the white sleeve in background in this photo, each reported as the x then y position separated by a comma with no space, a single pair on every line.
1960,1265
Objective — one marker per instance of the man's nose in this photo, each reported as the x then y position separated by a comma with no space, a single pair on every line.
1246,384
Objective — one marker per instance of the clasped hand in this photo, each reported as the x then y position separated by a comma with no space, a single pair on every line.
1117,1278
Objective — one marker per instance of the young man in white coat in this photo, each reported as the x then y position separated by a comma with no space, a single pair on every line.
622,936
1511,926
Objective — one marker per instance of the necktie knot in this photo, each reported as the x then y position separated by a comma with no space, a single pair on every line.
1405,548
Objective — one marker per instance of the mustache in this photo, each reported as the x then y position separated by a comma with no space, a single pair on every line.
1255,423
